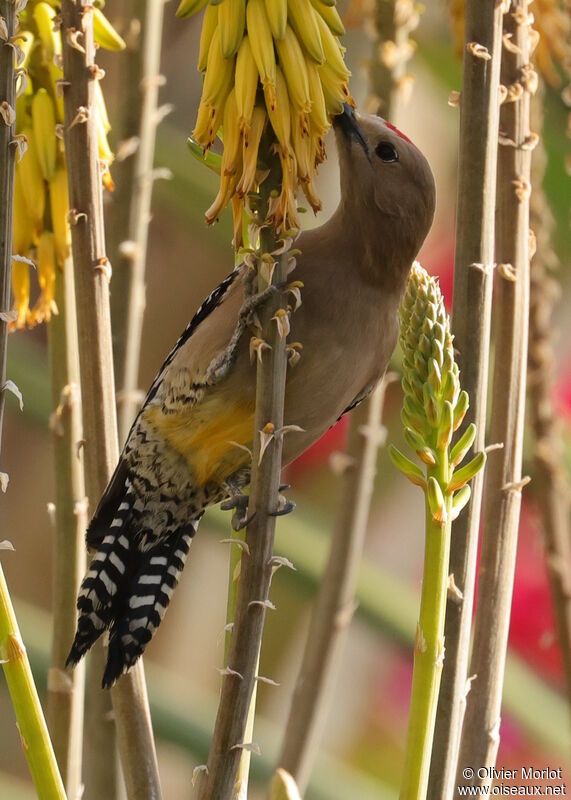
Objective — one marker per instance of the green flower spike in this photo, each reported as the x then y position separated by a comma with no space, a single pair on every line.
433,409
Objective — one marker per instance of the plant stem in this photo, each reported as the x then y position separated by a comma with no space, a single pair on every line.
7,166
550,482
65,691
474,258
428,648
243,774
30,719
335,602
390,85
133,245
256,567
92,273
480,737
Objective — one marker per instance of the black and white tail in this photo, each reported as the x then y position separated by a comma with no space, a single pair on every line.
127,590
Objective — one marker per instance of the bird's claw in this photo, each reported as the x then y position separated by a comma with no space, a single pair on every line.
284,507
240,518
239,522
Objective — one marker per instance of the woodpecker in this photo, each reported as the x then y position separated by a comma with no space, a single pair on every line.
181,454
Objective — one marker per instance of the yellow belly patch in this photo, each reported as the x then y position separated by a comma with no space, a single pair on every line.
203,435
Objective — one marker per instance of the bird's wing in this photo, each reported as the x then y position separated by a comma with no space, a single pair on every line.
115,490
363,394
212,302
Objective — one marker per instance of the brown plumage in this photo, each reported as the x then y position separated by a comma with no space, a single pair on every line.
178,458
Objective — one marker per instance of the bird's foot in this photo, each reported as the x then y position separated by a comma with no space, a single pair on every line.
240,518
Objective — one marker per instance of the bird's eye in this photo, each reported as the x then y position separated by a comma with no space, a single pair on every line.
386,151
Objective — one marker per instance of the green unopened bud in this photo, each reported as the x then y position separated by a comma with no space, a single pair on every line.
407,467
464,443
437,351
416,387
412,407
434,405
460,409
459,500
440,333
436,501
427,326
427,456
445,427
420,365
424,346
430,405
414,440
417,423
465,474
434,376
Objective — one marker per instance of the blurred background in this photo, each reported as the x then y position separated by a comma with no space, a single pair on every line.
365,730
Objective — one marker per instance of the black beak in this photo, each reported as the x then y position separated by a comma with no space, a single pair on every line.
350,127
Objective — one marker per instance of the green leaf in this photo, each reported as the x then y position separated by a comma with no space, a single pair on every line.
212,160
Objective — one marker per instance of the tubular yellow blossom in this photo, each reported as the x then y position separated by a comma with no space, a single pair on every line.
219,73
277,16
21,289
23,226
46,305
250,147
209,24
232,136
105,34
41,168
231,21
44,16
293,67
330,15
32,183
44,140
289,51
246,84
303,20
59,204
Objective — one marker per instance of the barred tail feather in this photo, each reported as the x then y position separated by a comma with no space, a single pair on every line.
146,600
107,573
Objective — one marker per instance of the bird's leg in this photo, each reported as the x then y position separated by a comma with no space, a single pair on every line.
219,366
238,500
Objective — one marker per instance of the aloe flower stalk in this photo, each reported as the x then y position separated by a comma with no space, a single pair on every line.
433,409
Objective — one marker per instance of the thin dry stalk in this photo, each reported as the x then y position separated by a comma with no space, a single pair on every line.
481,734
257,565
336,598
132,249
550,479
474,258
100,768
65,691
390,85
335,602
7,165
92,274
126,126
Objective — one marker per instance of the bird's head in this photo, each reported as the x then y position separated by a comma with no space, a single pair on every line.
387,187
